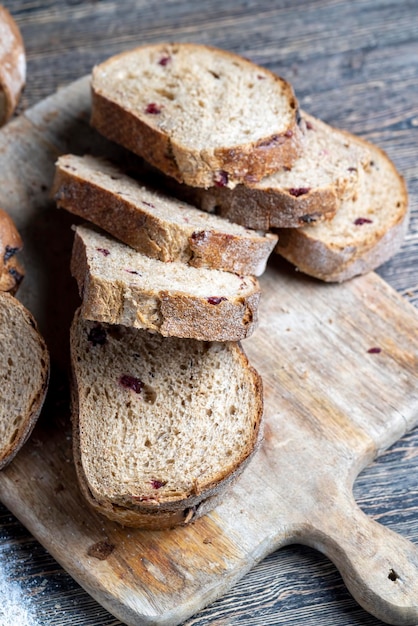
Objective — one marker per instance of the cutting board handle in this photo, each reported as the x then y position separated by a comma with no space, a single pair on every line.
379,567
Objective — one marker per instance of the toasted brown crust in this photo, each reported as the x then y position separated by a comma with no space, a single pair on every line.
12,65
137,226
9,450
333,262
186,507
240,163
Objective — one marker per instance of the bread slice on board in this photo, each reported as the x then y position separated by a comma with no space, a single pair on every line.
366,231
161,425
12,65
199,114
121,286
154,223
11,270
310,191
24,376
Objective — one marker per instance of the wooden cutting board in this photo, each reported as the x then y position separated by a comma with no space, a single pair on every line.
331,407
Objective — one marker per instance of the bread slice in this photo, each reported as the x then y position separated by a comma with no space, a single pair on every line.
24,375
199,114
12,65
366,231
121,286
156,224
310,191
161,425
11,270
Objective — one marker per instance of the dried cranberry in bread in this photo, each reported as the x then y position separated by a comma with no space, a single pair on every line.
24,375
12,65
199,114
162,426
154,223
310,191
11,271
366,231
121,286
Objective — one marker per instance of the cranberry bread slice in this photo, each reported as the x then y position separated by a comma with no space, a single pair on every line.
153,223
366,231
11,271
121,286
12,65
199,114
310,191
24,375
162,426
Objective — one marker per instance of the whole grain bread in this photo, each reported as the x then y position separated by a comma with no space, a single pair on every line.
11,270
154,223
199,114
121,286
12,65
310,191
162,426
24,375
366,231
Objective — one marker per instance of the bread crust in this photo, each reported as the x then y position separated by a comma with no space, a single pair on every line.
200,168
171,313
333,262
11,270
268,204
138,224
28,332
185,507
12,65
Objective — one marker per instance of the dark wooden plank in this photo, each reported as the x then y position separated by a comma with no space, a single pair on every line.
355,65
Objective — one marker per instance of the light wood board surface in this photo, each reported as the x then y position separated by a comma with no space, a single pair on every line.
331,407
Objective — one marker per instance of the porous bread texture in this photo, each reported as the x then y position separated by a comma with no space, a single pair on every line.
161,425
121,286
154,223
11,271
12,65
366,231
24,375
310,191
201,115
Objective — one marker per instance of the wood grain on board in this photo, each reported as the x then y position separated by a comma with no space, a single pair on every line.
354,65
331,407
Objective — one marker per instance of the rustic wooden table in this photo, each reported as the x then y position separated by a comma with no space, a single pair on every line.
355,65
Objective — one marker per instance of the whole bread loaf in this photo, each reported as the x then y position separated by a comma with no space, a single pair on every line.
366,231
199,114
309,191
162,426
11,270
24,375
121,286
154,223
12,65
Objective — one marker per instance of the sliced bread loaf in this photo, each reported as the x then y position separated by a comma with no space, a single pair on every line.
156,224
310,191
201,115
161,425
11,271
24,375
12,65
366,231
121,286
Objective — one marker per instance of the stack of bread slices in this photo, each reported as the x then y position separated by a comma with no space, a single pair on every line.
166,408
